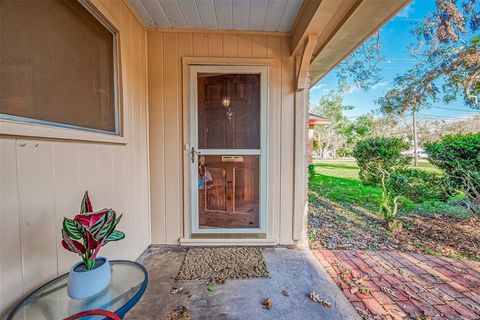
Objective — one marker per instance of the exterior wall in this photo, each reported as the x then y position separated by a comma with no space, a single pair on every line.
165,52
43,180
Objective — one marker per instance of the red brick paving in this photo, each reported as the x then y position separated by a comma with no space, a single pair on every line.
405,285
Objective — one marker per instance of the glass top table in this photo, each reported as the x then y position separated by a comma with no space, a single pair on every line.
50,301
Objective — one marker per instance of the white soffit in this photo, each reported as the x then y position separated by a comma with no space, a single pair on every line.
251,15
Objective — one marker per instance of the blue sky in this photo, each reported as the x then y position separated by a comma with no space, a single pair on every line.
396,40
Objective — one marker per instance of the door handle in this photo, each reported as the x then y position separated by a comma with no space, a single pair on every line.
193,152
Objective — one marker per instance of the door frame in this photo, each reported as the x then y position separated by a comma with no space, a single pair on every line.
191,68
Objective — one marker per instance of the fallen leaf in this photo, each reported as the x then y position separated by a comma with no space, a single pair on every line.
316,298
390,292
364,290
285,293
354,290
267,303
179,313
220,281
325,303
176,290
362,313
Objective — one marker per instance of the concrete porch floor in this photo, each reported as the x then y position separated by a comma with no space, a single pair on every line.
294,270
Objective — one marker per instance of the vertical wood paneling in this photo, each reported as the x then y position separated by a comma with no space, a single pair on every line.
157,135
166,87
200,45
119,192
37,218
129,218
215,45
229,44
287,149
67,193
145,169
244,48
44,180
104,194
275,78
137,131
172,138
11,279
185,49
88,170
259,46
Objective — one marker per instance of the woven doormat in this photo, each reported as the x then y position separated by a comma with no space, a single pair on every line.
223,263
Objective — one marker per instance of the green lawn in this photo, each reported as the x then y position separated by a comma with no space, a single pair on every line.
338,181
349,169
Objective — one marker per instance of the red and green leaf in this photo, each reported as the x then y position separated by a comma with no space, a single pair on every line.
94,228
74,229
90,219
108,227
92,243
115,236
72,245
86,204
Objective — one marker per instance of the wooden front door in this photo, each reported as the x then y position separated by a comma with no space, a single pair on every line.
229,150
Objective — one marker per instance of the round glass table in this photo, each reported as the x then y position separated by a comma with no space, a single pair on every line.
50,301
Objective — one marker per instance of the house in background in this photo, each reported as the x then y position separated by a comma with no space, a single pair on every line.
189,117
313,120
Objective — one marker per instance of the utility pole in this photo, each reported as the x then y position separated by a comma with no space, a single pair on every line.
415,138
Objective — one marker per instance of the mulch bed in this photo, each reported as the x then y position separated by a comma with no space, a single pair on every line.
333,226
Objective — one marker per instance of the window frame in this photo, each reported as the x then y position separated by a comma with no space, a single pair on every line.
24,126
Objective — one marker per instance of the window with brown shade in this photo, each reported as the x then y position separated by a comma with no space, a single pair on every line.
58,65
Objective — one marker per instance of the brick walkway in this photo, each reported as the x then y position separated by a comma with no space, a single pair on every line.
399,285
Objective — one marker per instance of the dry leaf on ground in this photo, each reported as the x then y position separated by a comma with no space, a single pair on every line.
285,293
267,303
390,292
176,290
180,313
316,298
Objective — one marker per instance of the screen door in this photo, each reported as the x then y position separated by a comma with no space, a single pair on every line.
227,155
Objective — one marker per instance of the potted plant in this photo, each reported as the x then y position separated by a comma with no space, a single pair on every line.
85,235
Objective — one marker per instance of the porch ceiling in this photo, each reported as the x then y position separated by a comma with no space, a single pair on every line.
252,15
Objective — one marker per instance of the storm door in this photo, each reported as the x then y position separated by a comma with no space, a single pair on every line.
227,153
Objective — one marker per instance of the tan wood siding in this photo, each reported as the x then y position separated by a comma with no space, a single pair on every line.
43,180
166,50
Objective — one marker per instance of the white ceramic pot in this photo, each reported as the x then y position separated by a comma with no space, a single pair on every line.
84,283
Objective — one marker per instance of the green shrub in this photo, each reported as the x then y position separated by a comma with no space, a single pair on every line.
459,157
418,185
311,171
375,155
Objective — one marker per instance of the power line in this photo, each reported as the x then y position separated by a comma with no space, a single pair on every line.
441,108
